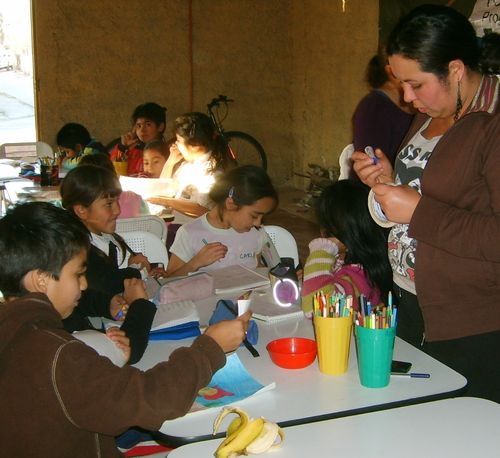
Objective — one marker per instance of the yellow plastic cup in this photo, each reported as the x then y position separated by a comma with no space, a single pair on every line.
121,167
333,339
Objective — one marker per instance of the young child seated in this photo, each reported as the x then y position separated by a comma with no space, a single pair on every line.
229,233
154,157
131,203
74,141
92,194
57,391
148,125
196,158
351,256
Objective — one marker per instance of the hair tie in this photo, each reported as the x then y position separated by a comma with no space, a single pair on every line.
231,192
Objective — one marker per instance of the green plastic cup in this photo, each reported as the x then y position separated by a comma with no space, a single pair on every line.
375,348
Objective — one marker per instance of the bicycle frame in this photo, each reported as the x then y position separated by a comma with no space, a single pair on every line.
212,109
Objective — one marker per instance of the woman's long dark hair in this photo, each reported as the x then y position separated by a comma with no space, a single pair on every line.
342,211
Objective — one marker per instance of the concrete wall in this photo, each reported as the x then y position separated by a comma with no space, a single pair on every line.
294,67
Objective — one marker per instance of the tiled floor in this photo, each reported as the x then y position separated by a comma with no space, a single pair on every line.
298,220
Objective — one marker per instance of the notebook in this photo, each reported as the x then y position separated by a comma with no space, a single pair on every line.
174,314
264,308
235,278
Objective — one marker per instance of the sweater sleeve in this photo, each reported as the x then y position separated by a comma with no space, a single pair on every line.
318,270
137,325
459,231
98,396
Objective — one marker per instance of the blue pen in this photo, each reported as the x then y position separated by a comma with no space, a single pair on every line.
371,153
204,241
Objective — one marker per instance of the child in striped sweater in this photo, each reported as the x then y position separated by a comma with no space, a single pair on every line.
351,256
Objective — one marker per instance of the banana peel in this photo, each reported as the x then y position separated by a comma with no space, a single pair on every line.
245,435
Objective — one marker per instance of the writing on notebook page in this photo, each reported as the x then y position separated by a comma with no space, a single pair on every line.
237,278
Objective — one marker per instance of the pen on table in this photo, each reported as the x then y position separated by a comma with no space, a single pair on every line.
247,344
412,375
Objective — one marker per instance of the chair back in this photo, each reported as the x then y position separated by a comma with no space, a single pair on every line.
26,151
148,244
345,162
147,223
284,241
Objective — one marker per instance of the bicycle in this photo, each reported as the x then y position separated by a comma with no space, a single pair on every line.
242,148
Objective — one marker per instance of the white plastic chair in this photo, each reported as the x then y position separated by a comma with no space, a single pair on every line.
147,223
148,244
26,151
345,162
284,241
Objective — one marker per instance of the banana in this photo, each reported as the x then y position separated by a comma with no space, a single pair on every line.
234,426
246,436
266,439
238,423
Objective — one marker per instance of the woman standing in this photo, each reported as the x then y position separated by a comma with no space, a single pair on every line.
445,247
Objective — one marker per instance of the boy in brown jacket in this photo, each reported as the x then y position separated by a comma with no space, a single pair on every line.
60,397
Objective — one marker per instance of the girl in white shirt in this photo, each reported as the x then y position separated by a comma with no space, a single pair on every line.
196,157
229,233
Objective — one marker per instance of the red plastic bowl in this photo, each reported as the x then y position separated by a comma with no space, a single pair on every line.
292,352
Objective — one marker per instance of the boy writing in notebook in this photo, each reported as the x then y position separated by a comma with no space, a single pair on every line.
58,392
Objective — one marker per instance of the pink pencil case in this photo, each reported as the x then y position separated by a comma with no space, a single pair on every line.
194,287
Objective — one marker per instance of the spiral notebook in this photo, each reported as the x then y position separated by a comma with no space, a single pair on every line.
264,308
237,278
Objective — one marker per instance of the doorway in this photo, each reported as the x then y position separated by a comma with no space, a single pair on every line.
17,106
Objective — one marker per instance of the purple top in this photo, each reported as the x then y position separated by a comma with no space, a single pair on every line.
379,123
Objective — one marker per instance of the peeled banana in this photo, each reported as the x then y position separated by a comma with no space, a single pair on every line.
246,436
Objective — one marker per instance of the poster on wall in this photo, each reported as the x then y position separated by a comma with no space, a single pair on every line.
485,17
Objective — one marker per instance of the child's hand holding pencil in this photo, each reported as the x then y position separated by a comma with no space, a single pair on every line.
118,307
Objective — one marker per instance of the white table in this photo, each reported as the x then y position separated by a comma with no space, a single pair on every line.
459,428
307,395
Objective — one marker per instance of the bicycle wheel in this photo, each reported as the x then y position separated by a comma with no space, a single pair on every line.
246,149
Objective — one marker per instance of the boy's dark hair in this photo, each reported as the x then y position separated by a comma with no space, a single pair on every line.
159,145
245,184
73,134
86,183
37,236
151,111
342,212
97,159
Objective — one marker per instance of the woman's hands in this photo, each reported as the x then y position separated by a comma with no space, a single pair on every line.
370,173
397,202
